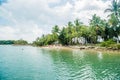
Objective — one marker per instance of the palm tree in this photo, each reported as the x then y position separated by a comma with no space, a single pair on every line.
98,25
55,29
114,8
114,16
77,25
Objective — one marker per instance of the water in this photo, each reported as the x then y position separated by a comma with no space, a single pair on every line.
32,63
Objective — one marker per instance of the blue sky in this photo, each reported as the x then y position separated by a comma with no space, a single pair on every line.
2,1
29,19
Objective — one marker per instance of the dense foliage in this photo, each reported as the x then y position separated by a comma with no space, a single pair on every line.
20,42
107,43
76,32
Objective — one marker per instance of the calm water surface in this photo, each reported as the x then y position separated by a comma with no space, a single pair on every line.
32,63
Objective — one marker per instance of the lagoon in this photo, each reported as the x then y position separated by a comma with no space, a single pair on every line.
34,63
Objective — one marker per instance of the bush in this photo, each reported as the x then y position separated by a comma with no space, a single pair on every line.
107,43
115,46
118,46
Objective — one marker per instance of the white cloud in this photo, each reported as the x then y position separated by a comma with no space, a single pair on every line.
84,9
31,18
24,32
6,32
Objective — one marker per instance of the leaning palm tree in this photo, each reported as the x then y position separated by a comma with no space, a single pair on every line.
114,16
114,8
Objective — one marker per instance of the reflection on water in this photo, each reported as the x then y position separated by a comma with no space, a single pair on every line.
100,56
40,64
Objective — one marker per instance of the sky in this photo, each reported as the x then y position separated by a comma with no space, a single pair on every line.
29,19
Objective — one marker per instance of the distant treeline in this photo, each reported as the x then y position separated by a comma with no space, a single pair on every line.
6,42
15,42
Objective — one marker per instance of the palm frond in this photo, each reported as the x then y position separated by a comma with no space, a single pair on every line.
109,15
119,4
108,10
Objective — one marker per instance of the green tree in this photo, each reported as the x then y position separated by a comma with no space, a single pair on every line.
114,20
55,29
63,38
98,26
114,8
55,32
78,25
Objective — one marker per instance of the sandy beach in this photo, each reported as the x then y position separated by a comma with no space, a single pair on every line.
83,48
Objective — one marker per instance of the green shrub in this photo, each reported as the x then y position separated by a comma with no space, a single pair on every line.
107,43
118,46
115,46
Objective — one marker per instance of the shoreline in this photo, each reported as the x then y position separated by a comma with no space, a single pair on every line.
82,48
76,47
